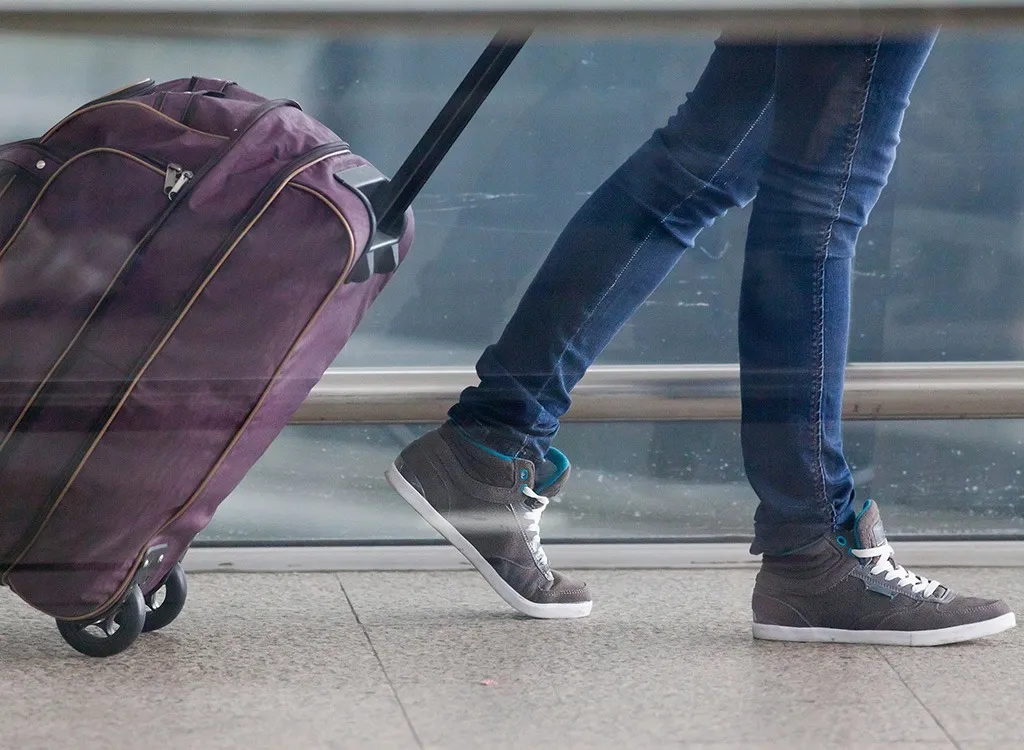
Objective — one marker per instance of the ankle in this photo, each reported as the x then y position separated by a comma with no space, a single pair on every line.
495,441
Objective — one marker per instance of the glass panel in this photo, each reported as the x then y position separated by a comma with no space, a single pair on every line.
938,274
939,268
637,481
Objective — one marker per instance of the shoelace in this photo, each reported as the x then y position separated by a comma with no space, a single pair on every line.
892,572
533,527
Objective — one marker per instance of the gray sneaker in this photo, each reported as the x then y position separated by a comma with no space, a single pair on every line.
489,506
847,588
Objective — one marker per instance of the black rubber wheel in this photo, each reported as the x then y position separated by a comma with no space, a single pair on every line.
113,633
161,613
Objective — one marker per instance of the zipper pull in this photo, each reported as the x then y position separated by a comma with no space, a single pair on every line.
175,180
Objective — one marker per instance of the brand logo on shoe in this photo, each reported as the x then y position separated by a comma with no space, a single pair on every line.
879,589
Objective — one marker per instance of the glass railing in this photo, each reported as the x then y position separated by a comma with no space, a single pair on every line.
678,481
937,280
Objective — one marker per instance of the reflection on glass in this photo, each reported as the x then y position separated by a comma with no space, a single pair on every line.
637,481
937,269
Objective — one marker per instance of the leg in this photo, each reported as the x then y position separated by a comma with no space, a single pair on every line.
827,575
483,479
836,127
618,248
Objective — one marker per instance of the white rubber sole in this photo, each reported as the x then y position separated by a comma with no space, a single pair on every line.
449,532
939,637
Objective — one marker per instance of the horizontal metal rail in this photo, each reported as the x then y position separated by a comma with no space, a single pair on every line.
762,18
990,390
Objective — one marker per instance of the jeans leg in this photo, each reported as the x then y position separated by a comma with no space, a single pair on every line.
836,127
618,248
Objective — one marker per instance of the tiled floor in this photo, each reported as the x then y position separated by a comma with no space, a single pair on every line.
435,660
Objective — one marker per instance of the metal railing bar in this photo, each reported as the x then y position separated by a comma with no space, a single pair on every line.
989,390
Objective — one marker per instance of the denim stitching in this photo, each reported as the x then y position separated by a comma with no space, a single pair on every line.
819,296
704,184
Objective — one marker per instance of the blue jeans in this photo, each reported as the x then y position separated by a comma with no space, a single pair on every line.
809,133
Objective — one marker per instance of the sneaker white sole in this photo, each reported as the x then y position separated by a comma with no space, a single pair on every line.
449,532
942,636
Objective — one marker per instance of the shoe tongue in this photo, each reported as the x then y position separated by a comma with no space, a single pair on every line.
552,473
868,529
869,533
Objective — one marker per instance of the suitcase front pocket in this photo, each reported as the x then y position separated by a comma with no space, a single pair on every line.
82,229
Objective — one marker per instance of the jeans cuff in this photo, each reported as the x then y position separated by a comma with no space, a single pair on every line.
786,539
500,439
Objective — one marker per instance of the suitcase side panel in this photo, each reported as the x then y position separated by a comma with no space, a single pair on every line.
68,408
188,405
52,275
56,440
310,359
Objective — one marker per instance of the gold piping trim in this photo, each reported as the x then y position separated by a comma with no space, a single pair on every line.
284,362
46,378
55,175
121,90
7,186
126,103
135,382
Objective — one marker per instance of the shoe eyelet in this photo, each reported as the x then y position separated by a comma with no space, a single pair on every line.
524,474
842,540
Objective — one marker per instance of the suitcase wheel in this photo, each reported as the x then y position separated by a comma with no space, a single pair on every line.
161,611
111,634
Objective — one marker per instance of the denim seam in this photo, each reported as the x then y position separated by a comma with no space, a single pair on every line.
707,183
819,297
704,184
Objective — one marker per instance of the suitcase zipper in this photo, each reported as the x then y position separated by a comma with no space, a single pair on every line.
259,206
353,252
178,187
148,163
174,191
254,119
175,179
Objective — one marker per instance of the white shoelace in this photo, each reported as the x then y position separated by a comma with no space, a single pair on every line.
533,527
893,572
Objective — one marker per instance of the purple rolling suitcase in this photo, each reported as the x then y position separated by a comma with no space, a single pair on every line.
179,265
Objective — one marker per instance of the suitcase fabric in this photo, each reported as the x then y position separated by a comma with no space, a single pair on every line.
179,265
159,331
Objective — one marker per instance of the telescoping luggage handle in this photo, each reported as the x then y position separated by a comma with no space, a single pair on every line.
387,200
